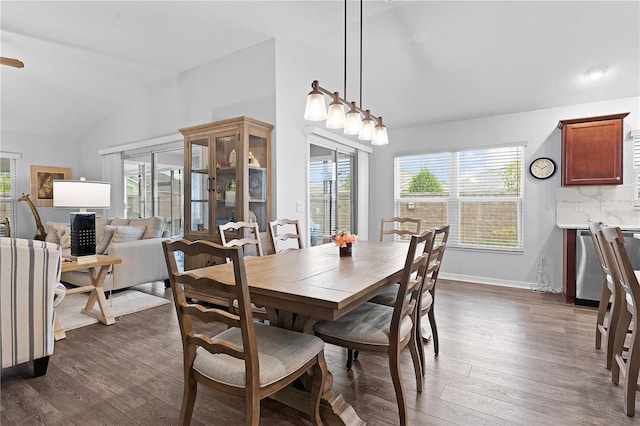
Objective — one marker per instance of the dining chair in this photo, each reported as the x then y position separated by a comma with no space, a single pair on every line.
241,234
281,231
402,226
247,235
248,359
380,328
626,357
387,297
611,293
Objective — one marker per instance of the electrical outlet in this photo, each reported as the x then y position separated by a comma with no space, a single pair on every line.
578,206
299,207
605,207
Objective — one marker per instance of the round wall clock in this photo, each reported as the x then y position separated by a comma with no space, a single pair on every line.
542,168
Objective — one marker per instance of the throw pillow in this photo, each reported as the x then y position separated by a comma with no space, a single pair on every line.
64,235
123,234
52,232
119,222
155,226
107,234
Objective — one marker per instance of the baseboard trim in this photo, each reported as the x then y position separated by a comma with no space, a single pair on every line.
497,282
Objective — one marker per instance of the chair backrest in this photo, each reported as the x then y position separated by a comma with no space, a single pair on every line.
283,230
235,287
29,273
245,233
621,265
402,226
595,228
410,288
440,238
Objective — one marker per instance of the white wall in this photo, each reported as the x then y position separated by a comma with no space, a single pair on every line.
539,130
38,151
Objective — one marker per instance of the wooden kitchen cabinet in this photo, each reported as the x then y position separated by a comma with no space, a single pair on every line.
592,150
227,178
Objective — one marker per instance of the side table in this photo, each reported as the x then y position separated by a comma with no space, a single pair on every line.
97,272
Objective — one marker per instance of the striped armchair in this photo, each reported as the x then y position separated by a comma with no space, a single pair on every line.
29,290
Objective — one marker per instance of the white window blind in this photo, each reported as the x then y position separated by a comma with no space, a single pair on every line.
7,192
636,165
478,192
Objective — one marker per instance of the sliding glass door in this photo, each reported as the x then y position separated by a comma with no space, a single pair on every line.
154,186
332,193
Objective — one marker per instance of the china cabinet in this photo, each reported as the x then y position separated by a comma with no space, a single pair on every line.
592,150
227,177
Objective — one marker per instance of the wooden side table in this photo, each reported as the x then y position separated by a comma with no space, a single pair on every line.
97,272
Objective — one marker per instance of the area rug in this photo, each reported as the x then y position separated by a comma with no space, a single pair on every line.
120,303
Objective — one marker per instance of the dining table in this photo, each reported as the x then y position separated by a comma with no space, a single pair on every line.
301,286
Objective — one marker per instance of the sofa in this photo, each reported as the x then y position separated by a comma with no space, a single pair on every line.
138,242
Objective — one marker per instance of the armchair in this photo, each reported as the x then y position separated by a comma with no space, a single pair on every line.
29,291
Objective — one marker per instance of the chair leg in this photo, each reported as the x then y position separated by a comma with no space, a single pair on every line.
252,409
396,377
415,347
434,331
317,386
618,343
602,310
420,344
40,366
614,318
349,358
631,378
188,399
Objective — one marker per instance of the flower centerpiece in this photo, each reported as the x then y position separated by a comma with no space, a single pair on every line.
345,240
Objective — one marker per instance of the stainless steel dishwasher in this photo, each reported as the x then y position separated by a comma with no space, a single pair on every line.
588,271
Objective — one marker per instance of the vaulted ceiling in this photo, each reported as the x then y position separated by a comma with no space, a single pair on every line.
424,61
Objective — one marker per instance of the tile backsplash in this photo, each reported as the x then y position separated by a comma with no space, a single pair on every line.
613,205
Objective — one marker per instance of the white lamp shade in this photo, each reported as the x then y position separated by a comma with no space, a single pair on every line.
380,135
81,194
335,116
367,129
353,124
316,109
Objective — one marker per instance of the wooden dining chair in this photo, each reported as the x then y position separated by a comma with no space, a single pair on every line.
401,226
612,294
248,359
282,233
380,328
247,234
626,357
241,234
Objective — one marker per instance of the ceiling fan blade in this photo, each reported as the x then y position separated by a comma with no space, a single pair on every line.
11,62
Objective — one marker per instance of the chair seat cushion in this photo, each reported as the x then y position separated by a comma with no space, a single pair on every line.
427,301
367,324
280,353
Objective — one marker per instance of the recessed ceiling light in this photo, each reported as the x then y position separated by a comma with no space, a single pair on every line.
595,73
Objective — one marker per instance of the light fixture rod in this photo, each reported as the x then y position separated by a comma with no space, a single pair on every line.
344,101
360,53
345,49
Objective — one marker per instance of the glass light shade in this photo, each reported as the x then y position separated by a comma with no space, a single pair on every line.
380,135
353,123
316,109
367,129
81,194
335,116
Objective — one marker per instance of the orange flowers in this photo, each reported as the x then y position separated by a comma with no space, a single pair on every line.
345,238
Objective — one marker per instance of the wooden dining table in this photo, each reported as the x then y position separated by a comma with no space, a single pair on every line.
301,286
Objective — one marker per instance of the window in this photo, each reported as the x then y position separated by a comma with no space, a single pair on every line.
478,192
635,135
7,190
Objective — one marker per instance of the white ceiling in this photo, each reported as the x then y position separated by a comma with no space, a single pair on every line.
424,61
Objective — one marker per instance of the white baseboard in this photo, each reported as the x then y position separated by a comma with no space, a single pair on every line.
493,281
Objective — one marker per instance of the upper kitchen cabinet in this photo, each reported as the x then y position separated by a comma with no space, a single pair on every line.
227,175
592,150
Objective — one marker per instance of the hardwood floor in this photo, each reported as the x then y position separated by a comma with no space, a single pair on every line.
507,356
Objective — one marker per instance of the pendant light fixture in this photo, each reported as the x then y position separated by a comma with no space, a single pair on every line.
368,128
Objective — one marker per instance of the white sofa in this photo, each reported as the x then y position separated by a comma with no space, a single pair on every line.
140,251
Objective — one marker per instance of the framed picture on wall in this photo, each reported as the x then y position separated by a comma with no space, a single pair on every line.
41,183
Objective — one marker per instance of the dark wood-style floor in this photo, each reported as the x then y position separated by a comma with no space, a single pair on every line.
507,356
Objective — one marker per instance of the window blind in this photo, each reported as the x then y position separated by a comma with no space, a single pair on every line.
7,192
478,192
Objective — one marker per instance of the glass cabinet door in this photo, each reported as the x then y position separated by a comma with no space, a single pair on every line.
200,185
258,181
226,177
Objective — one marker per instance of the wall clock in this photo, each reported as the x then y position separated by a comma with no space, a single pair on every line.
542,168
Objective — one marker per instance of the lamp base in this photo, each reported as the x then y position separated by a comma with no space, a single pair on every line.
83,234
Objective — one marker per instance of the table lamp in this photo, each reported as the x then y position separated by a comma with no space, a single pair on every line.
82,194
